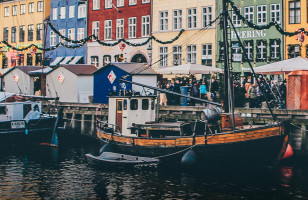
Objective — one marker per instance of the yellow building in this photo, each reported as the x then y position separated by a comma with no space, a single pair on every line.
296,17
21,24
198,42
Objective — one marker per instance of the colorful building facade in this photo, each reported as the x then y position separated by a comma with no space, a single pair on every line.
21,24
262,46
114,20
70,19
196,45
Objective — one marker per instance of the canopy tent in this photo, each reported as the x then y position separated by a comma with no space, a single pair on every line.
284,66
190,69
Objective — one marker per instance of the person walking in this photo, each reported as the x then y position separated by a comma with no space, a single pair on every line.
203,91
252,94
214,89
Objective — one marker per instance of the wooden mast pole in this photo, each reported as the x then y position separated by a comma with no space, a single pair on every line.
45,25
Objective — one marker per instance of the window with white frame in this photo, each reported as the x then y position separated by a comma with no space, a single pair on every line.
108,4
94,61
62,12
163,56
71,11
40,6
191,54
132,2
14,10
55,13
249,13
120,29
249,49
261,50
177,19
120,3
53,38
31,7
191,18
275,50
261,14
22,9
206,16
6,11
6,34
95,28
236,20
132,27
275,13
22,30
106,59
163,20
80,33
207,54
177,55
39,31
71,34
13,35
62,32
145,30
82,10
108,30
30,32
96,4
294,12
146,1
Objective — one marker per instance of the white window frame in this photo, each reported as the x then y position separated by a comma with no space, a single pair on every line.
163,56
80,33
82,11
132,2
249,49
191,18
207,52
249,13
108,29
146,1
96,4
207,16
146,27
177,19
31,7
275,46
120,29
71,11
62,12
132,27
275,13
71,34
40,6
14,10
261,50
177,55
236,20
261,15
62,32
95,61
192,54
22,9
55,13
95,28
163,20
53,38
108,4
6,11
120,3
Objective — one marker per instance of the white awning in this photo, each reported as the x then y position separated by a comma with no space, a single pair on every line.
66,60
40,71
5,95
56,61
75,60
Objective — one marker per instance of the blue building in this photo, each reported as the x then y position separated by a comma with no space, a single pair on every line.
69,17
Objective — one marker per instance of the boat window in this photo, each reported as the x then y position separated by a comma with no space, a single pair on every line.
145,104
2,110
27,109
125,104
134,104
152,104
119,107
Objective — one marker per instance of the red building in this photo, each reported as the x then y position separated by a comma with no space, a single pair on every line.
112,20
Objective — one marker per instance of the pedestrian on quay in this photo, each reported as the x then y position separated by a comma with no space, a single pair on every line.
203,91
214,89
252,94
194,93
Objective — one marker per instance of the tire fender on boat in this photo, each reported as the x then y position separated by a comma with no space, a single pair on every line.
189,158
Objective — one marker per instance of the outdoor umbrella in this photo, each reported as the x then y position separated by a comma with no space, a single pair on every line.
284,66
190,69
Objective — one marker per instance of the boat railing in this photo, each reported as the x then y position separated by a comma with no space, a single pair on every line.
108,126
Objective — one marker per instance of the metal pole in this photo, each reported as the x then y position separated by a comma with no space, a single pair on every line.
43,92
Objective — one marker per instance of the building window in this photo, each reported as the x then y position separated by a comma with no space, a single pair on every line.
261,50
236,52
96,4
39,31
53,38
120,3
38,59
71,13
55,13
29,59
40,6
108,30
249,13
22,9
261,14
163,20
236,20
108,4
191,54
62,12
294,12
31,7
62,32
207,54
146,1
21,59
22,30
71,34
6,11
132,2
94,61
145,32
249,49
30,32
6,34
206,16
13,38
294,50
106,60
177,55
14,10
132,27
192,18
80,34
163,56
82,11
221,52
120,29
95,28
275,13
275,49
177,19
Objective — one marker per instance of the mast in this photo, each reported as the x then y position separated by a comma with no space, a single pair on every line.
45,26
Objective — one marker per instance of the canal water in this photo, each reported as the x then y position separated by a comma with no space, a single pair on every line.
63,173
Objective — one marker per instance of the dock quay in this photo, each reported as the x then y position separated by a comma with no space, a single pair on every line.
81,118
